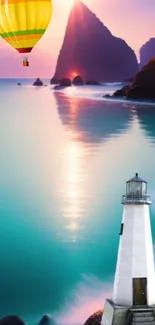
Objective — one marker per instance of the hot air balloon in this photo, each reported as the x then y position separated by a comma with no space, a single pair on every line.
23,23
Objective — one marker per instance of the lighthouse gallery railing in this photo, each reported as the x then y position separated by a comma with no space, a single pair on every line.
133,198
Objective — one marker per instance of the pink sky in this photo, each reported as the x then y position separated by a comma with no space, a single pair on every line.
131,20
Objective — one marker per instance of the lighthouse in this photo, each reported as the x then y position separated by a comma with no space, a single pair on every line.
134,282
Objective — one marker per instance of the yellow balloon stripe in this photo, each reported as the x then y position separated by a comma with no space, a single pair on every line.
25,18
13,18
4,2
23,43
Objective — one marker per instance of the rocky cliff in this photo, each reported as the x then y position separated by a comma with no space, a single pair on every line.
90,50
143,86
147,51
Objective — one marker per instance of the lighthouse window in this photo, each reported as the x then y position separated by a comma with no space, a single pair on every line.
121,231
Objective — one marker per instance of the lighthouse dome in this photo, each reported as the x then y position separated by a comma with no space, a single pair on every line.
136,178
136,191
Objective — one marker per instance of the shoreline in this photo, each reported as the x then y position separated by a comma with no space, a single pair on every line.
107,99
95,95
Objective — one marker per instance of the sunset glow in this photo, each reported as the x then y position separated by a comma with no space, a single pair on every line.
69,3
74,74
117,15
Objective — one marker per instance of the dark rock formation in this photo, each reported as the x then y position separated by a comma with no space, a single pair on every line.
144,83
45,320
93,82
66,82
131,79
95,319
38,82
11,320
107,96
77,81
55,81
143,86
18,84
147,51
58,87
92,51
121,92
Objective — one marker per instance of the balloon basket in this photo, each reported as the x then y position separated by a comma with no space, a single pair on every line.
25,62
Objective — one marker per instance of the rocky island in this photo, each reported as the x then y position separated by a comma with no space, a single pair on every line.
38,82
91,51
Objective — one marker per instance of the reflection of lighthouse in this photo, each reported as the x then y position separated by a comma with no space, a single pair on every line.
134,284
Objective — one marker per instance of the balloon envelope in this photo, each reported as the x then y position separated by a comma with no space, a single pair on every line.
23,22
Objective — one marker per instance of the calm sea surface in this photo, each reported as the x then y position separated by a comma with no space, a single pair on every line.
64,161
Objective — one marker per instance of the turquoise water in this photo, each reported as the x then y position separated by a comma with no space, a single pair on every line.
63,166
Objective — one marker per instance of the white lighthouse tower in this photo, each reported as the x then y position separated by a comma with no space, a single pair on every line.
134,283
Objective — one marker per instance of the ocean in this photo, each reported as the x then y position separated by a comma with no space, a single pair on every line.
64,160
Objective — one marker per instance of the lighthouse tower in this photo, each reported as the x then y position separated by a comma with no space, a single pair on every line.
134,283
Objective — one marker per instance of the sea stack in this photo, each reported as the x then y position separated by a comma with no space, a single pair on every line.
133,299
90,50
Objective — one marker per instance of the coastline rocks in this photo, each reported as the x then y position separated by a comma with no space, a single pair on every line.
108,96
135,93
11,320
18,84
146,77
140,93
143,86
93,82
121,92
45,320
55,81
95,319
38,82
66,82
77,81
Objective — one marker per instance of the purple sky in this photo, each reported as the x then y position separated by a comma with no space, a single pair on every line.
133,20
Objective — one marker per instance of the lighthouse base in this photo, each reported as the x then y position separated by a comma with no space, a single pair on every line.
125,315
114,314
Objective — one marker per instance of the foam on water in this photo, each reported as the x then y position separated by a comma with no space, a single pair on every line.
97,93
88,297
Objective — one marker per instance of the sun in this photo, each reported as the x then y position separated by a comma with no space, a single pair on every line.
73,74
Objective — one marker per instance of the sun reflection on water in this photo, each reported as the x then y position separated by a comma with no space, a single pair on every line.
74,190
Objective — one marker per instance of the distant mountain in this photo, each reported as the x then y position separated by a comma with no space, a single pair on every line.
147,51
90,50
